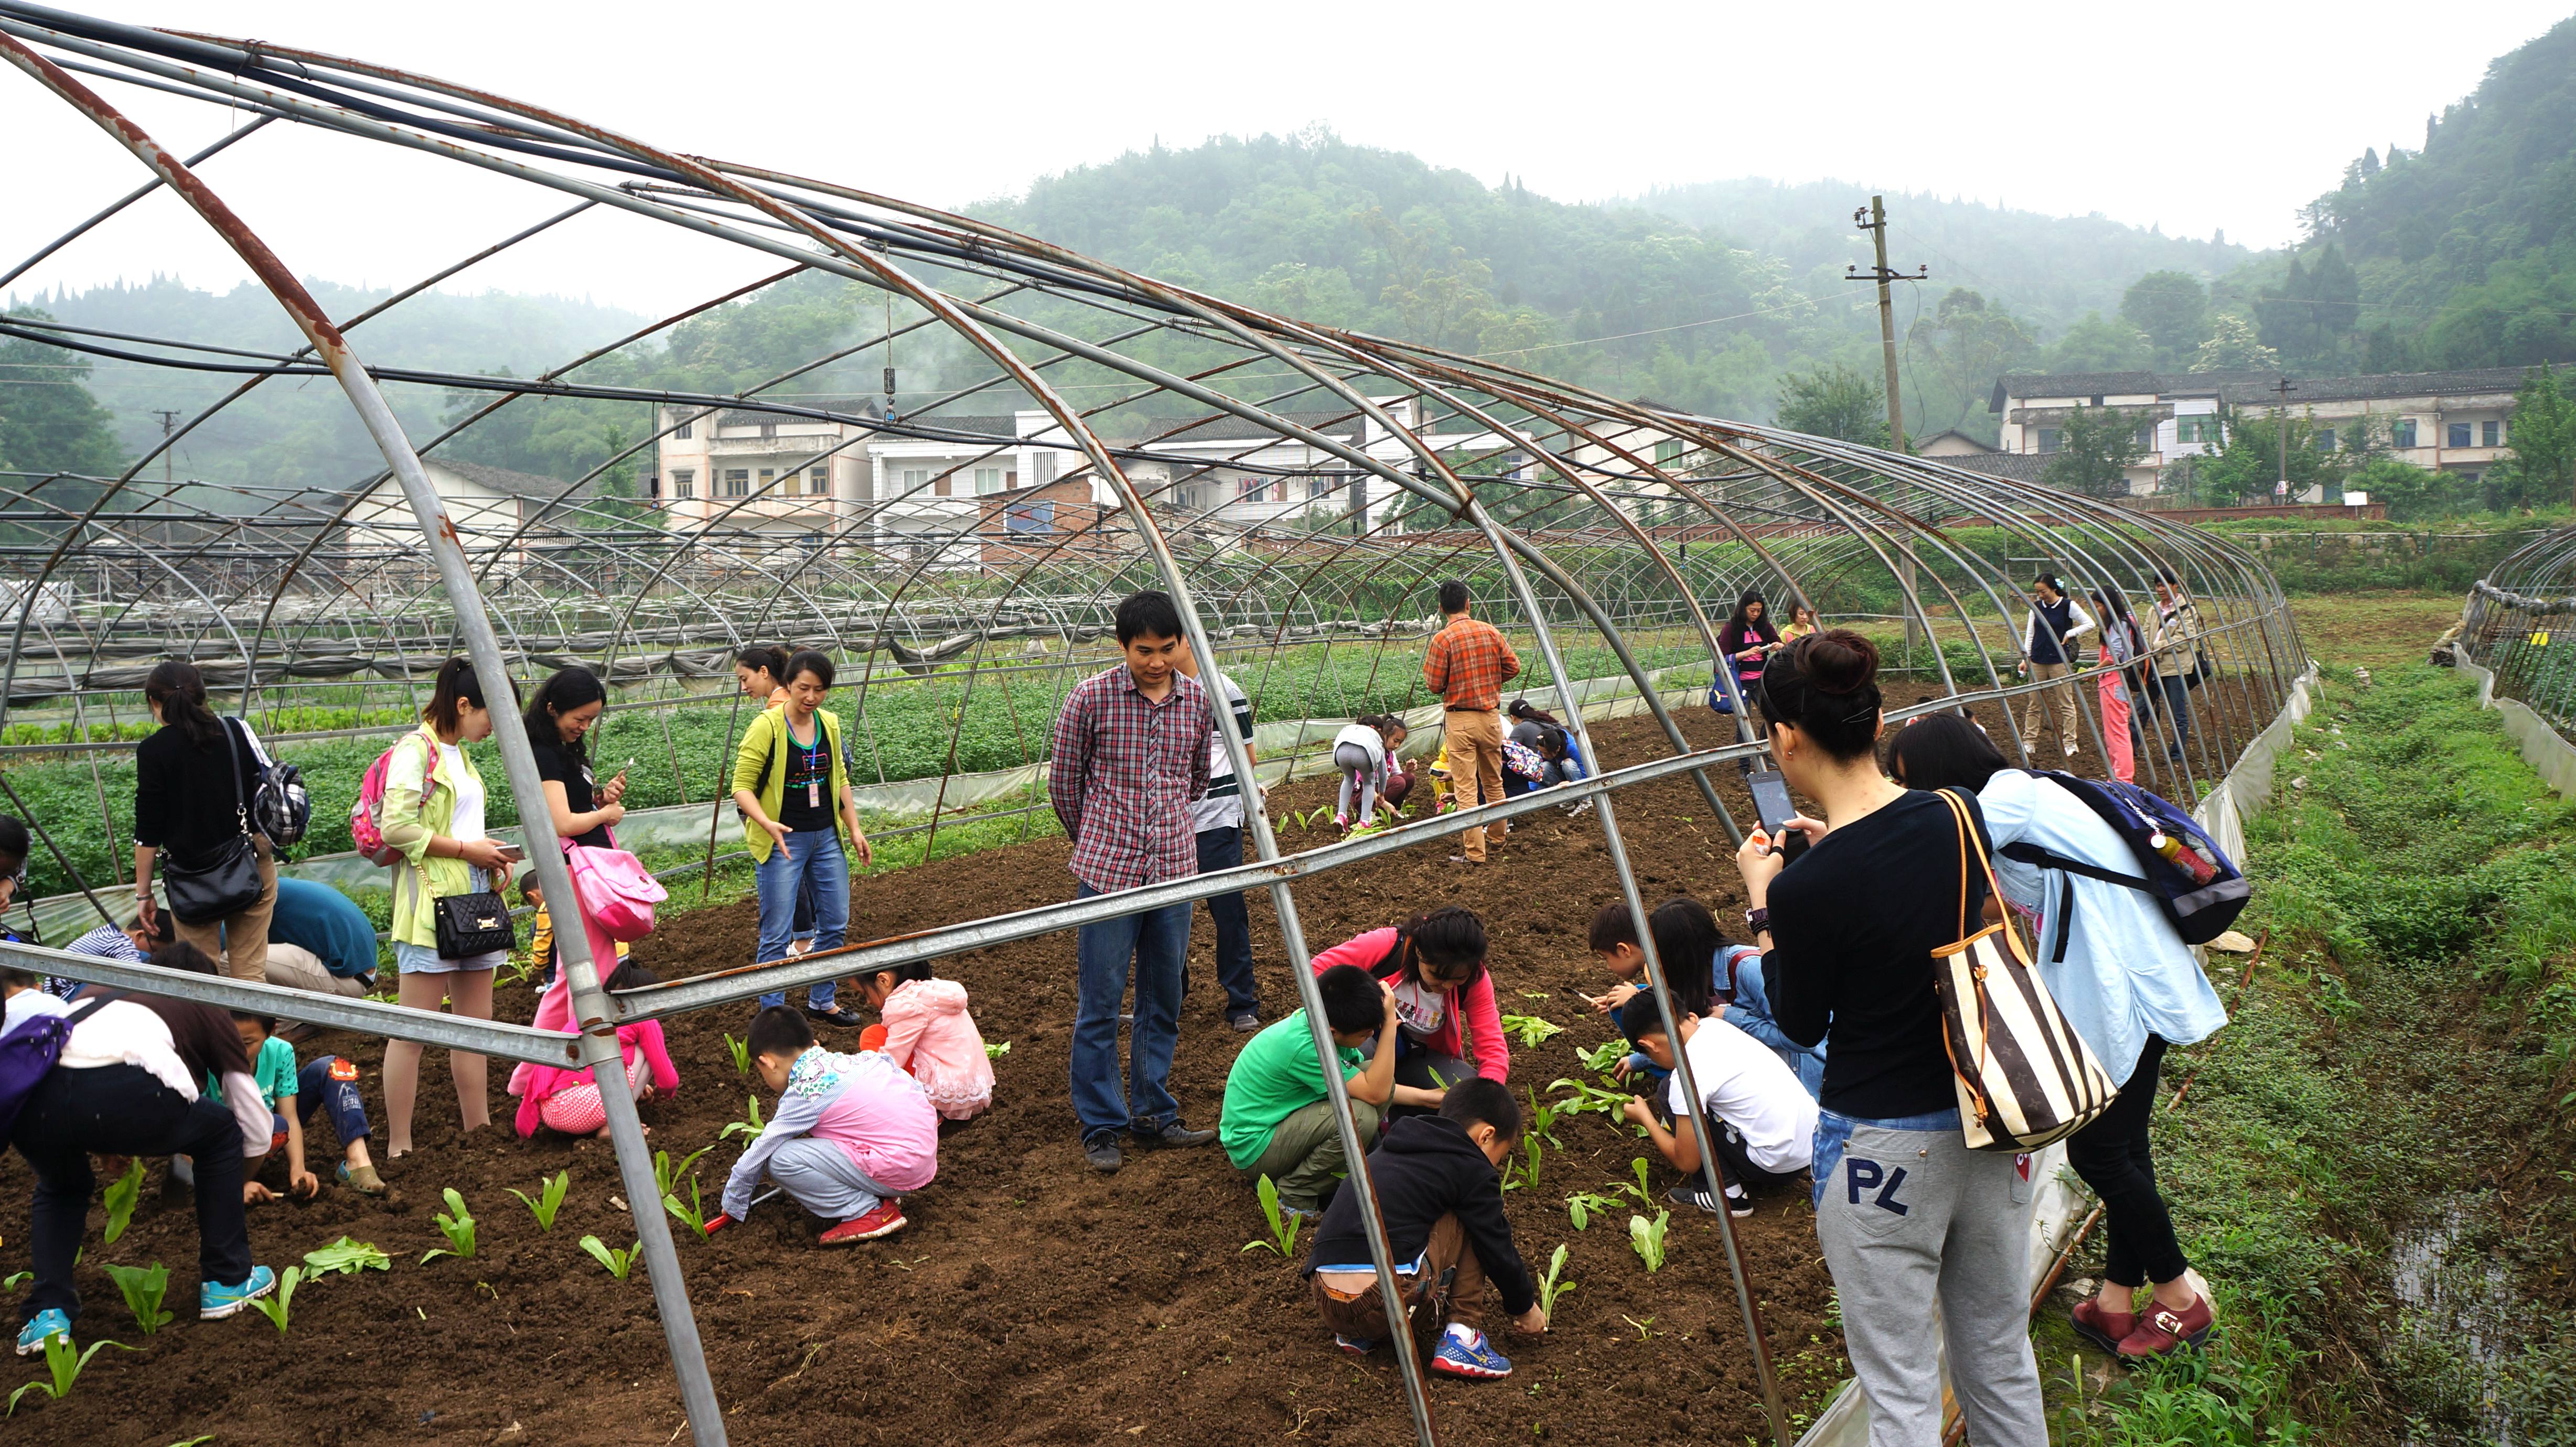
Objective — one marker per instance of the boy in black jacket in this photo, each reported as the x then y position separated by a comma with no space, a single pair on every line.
1443,1204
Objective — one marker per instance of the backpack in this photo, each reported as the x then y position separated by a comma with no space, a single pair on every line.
2191,879
279,804
28,1053
1524,761
1717,695
367,815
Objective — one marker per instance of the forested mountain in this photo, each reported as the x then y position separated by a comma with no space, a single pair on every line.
2461,253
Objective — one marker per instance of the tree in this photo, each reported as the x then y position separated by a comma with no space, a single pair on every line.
2308,315
1968,343
48,420
2233,347
2172,308
2412,493
2543,435
2097,344
1834,401
2100,445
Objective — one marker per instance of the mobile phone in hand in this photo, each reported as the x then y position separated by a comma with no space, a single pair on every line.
1771,801
513,853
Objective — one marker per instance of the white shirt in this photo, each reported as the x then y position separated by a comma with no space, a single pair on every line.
468,821
1369,739
1222,808
1749,1087
1419,1008
27,1005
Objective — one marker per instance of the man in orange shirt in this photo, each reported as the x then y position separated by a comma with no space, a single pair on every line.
1467,665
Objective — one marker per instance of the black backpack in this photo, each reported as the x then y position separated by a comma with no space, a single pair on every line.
2200,890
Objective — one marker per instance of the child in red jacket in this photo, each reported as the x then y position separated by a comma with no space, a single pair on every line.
1444,998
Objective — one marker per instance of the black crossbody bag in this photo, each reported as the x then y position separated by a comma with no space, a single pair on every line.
228,881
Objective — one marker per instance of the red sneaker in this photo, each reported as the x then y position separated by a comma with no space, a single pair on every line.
2105,1329
884,1221
2161,1330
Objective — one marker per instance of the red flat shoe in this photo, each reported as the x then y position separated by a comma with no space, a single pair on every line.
2105,1329
884,1221
2161,1330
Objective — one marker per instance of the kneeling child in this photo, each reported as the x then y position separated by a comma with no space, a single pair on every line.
850,1135
1278,1119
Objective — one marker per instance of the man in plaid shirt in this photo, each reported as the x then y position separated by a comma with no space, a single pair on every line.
1468,663
1130,755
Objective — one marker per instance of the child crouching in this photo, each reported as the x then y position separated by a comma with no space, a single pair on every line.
1442,1201
850,1134
569,1100
293,1095
927,1031
1278,1119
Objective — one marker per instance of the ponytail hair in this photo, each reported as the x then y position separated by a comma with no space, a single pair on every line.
1384,723
1528,712
1449,935
768,658
1825,686
455,684
180,689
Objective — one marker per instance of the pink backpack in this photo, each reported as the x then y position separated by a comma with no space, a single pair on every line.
616,890
367,815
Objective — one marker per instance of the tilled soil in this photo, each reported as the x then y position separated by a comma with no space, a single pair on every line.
1031,1300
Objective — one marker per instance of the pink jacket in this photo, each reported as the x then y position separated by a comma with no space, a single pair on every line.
1375,952
929,1033
862,1103
534,1083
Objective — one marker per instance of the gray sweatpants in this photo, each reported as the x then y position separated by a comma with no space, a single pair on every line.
1912,1221
821,1177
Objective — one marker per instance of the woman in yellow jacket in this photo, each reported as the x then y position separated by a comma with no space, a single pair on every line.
802,826
433,813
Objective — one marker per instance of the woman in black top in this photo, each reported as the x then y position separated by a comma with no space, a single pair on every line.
558,720
192,793
1909,1218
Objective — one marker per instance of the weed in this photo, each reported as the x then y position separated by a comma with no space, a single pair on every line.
619,1263
1532,1029
1284,1225
694,1214
277,1304
1641,1325
142,1287
1582,1206
63,1365
747,1128
345,1256
550,1199
122,1194
1549,1287
665,1174
457,1225
740,1051
1646,1238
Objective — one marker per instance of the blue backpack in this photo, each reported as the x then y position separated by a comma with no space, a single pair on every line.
1717,696
2200,890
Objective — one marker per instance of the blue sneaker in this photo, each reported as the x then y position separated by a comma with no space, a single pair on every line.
214,1302
47,1323
1476,1359
1356,1346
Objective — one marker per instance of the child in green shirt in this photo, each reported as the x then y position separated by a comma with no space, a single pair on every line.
293,1095
1278,1119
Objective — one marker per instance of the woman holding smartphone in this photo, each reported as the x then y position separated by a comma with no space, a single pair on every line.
434,812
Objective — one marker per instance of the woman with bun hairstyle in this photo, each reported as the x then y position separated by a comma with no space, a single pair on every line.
1913,1224
1449,1025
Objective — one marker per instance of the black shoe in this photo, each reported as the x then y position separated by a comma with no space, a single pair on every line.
1102,1151
1738,1204
1174,1133
835,1016
1245,1021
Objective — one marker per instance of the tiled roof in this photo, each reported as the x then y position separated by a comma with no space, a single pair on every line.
2256,388
2019,466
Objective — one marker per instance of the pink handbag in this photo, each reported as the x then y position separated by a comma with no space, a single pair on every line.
617,891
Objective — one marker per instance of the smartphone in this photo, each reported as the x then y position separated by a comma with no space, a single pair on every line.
513,853
1771,801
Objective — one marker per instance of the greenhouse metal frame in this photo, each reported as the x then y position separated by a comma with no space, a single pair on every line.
1629,524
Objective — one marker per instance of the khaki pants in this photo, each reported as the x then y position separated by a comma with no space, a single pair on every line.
1305,1152
1450,1282
239,942
1475,743
2036,712
296,968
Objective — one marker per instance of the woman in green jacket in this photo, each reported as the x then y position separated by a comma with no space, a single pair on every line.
434,811
802,826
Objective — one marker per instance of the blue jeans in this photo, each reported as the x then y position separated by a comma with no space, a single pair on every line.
316,1090
810,859
1158,942
2177,714
1223,849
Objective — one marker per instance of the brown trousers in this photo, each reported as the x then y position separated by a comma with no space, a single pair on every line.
1450,1281
238,943
1475,742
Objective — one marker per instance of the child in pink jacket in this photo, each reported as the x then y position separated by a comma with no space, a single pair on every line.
928,1032
851,1134
569,1100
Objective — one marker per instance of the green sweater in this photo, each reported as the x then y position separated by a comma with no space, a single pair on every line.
760,766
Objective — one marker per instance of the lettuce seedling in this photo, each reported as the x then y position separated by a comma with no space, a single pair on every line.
122,1194
694,1214
747,1129
666,1174
740,1050
549,1200
63,1365
1603,1058
143,1287
1549,1288
1588,1099
1532,1029
346,1257
1582,1206
618,1262
996,1052
1540,1121
1647,1238
1284,1225
1523,1172
1640,1189
278,1303
457,1225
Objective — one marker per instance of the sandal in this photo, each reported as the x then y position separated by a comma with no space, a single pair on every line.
361,1179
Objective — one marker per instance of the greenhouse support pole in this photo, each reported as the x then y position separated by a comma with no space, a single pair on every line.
591,1006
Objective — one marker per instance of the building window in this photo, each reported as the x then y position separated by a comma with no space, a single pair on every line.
915,479
684,483
2401,433
2146,438
2050,439
1318,487
987,480
2459,435
685,431
2324,441
737,482
769,479
2491,434
1042,469
768,430
1029,517
818,482
2202,431
1667,453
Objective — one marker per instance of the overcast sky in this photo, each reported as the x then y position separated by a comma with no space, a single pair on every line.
2191,116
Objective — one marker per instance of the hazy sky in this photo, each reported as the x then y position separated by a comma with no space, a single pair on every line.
2191,116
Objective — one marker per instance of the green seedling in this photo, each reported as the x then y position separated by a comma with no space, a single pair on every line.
1284,1224
694,1214
17,1279
740,1050
996,1052
1588,1099
345,1256
1644,1193
1437,1079
1523,1172
1646,1238
1540,1121
143,1286
618,1262
1549,1287
1532,1029
1603,1058
550,1199
665,1175
457,1225
1641,1326
63,1365
122,1194
746,1129
1582,1206
278,1303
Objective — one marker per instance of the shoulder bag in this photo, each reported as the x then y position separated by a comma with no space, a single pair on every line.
227,881
470,924
2024,1076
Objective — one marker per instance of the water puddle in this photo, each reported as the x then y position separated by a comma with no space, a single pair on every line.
2459,1308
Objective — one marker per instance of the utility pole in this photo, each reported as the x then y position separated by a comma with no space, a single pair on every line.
169,424
1876,226
2281,429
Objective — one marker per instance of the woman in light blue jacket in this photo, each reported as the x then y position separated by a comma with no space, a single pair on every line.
2127,983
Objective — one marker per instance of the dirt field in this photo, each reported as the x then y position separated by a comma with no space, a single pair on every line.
1031,1300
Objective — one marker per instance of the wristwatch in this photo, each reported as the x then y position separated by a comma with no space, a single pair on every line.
1758,920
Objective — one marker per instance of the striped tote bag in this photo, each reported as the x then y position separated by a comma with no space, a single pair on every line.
2025,1078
